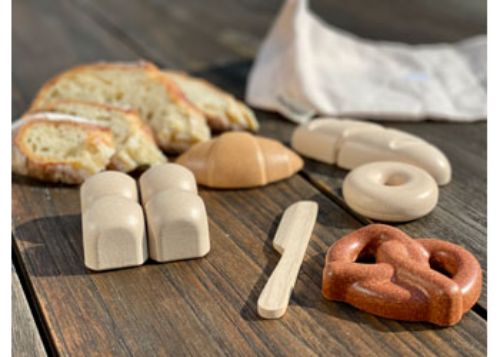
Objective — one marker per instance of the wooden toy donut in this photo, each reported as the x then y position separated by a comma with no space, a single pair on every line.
390,191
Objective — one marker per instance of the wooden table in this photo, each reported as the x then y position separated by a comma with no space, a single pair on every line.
208,306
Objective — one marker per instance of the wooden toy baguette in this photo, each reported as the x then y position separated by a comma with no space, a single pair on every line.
60,148
135,145
176,123
351,143
222,110
240,160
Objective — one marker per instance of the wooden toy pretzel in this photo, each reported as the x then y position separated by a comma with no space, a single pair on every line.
410,279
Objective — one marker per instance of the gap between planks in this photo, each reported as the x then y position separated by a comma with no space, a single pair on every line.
33,302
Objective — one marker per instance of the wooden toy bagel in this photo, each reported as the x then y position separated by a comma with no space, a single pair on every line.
390,191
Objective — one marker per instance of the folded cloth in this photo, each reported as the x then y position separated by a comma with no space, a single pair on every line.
306,67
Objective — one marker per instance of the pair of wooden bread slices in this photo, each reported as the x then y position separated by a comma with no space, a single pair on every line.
130,108
115,233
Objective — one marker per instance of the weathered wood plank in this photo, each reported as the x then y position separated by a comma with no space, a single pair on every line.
242,25
45,45
26,339
209,302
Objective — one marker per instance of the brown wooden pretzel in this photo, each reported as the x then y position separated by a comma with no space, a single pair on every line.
411,279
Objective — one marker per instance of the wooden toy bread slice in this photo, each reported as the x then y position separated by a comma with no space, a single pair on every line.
114,231
166,177
107,183
61,148
177,226
175,122
114,234
240,160
222,110
135,145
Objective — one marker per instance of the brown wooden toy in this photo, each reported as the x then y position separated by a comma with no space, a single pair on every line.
410,279
240,160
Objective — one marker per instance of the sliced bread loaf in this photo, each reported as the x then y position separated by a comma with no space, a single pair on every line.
60,148
176,123
222,110
135,145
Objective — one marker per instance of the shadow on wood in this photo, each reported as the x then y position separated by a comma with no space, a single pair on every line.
62,233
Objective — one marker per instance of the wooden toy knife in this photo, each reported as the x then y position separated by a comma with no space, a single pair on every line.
291,240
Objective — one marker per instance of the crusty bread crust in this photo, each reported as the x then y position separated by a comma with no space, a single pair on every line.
139,132
237,115
104,106
197,129
24,162
125,66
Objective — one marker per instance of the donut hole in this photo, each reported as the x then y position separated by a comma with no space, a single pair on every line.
396,179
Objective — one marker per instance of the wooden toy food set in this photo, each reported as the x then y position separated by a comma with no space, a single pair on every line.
401,284
394,177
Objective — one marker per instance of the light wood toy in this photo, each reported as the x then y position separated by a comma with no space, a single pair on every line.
107,183
320,139
390,191
165,177
240,160
291,240
176,216
114,231
351,143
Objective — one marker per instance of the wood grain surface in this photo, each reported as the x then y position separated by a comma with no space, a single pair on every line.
208,306
26,340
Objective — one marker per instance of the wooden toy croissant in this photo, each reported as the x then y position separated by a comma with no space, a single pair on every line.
240,160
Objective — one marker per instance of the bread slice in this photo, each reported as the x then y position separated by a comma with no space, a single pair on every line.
222,110
135,145
176,123
60,148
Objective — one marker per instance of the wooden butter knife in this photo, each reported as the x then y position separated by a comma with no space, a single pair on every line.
291,240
